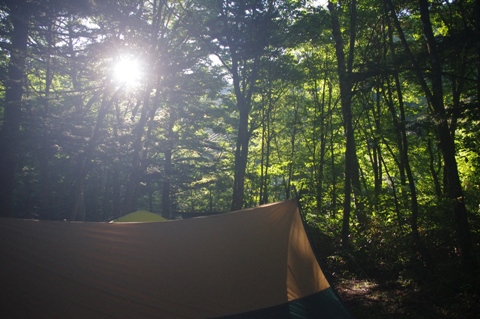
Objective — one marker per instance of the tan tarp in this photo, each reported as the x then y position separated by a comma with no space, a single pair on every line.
197,268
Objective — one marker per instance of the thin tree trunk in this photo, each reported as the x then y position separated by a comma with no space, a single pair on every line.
292,152
394,191
378,155
45,210
404,156
345,93
266,149
399,128
372,134
322,132
436,181
263,184
267,155
168,173
332,155
78,202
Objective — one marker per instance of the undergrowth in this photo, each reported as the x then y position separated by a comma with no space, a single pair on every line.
381,274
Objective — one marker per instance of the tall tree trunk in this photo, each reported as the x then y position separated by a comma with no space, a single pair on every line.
268,152
136,169
405,160
241,153
12,112
266,148
397,125
400,128
378,151
322,139
372,137
453,187
404,166
344,69
332,154
45,210
263,168
243,94
167,168
293,136
78,202
447,143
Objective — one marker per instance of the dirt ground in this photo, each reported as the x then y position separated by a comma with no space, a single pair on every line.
366,299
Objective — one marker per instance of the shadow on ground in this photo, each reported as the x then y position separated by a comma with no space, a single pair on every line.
367,299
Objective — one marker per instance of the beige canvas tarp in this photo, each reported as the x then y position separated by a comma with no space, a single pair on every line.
197,268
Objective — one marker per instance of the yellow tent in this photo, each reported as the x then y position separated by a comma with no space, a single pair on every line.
140,216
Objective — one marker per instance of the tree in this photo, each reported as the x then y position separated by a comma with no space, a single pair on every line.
345,69
435,96
240,33
19,14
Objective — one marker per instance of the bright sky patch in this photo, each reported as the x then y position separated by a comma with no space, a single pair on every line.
127,72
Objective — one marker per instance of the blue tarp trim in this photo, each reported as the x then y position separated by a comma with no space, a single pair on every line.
322,305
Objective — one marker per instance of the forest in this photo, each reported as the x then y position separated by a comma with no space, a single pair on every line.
367,111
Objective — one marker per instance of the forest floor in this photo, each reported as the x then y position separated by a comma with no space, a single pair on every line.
399,300
381,282
366,299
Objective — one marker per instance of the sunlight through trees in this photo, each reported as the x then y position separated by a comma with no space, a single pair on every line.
366,110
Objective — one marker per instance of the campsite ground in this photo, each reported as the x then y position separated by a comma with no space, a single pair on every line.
380,278
367,298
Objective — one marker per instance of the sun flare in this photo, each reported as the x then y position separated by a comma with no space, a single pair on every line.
127,72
